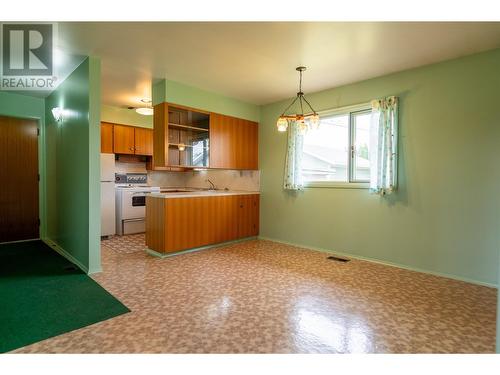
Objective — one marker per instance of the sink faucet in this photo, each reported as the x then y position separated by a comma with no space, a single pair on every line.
212,185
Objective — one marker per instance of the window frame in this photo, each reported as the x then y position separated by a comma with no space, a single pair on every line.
351,183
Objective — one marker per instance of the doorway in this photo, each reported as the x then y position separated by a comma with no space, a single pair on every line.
19,179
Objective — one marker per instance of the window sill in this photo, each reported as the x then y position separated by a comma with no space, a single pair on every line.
337,185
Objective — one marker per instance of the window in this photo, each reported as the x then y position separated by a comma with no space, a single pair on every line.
338,152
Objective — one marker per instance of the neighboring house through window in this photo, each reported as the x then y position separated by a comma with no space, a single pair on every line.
338,152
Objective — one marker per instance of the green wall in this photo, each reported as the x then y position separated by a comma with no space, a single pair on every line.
72,146
125,116
444,218
22,106
179,93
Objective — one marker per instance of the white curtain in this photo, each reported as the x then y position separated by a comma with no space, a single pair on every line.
383,145
293,161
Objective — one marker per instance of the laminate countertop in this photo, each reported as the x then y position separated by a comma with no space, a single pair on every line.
200,193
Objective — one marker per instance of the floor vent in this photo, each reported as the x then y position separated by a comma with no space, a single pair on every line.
338,259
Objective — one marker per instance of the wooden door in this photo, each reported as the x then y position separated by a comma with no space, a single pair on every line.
123,139
106,138
143,141
19,176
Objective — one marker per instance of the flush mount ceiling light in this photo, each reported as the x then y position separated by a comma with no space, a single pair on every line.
145,111
305,121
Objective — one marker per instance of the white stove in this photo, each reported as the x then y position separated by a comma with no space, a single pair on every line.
131,191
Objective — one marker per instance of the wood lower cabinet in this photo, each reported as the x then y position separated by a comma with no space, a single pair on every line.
176,224
123,139
106,138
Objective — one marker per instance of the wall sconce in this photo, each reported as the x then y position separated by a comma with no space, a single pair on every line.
58,114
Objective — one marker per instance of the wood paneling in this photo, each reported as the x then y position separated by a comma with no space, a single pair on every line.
191,222
123,139
160,135
19,176
143,141
155,222
106,138
233,143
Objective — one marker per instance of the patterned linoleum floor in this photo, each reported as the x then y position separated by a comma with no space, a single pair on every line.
264,297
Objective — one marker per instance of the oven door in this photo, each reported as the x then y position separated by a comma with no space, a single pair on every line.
133,219
134,205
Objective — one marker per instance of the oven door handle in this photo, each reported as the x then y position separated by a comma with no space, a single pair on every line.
141,193
132,220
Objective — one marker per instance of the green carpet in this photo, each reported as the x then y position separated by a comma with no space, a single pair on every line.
44,295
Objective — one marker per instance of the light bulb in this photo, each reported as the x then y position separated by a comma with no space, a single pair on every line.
181,146
57,113
302,127
282,124
314,122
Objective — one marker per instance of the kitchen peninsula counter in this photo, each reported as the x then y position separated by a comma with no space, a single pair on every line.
179,221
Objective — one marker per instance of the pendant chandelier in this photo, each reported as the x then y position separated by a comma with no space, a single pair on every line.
304,122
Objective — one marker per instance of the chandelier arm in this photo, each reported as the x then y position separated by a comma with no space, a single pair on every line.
309,104
292,103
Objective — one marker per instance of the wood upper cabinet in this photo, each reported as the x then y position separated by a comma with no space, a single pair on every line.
143,141
123,139
233,143
106,138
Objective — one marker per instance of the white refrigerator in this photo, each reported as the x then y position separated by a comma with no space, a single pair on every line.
108,224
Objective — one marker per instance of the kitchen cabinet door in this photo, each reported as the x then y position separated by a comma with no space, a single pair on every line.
123,139
233,143
254,223
143,141
248,215
106,138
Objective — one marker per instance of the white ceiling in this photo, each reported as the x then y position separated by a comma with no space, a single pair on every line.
255,62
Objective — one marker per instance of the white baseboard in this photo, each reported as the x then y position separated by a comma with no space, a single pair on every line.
65,254
385,263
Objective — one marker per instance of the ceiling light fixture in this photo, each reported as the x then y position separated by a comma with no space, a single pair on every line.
305,121
146,111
